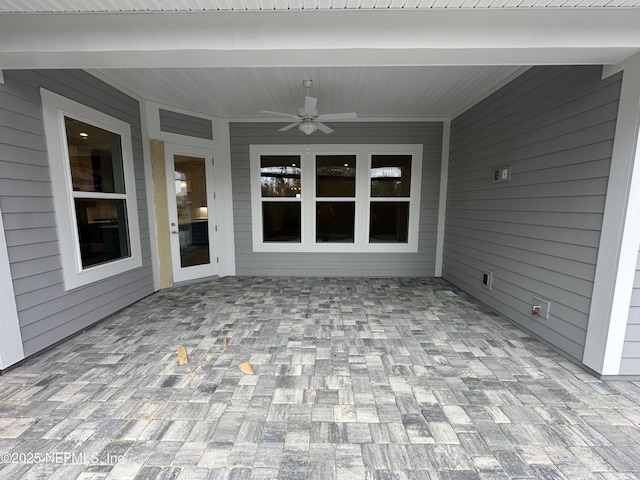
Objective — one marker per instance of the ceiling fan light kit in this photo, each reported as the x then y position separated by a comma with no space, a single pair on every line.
307,120
307,127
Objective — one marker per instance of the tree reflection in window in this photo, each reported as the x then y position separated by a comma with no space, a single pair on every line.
280,176
391,176
336,175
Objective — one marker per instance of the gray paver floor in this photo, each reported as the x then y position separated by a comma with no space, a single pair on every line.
354,379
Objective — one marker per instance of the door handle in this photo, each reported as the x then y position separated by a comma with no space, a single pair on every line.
174,232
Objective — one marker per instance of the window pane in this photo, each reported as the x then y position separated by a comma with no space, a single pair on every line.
280,175
336,175
391,175
281,222
335,222
95,156
389,222
191,202
102,228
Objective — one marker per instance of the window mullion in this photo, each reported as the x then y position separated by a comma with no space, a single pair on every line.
365,197
308,197
100,195
281,199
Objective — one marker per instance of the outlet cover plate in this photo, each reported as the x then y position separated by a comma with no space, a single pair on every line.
487,279
544,305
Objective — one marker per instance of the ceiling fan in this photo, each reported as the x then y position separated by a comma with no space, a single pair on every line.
307,120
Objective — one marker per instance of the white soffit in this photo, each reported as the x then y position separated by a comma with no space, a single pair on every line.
373,92
65,6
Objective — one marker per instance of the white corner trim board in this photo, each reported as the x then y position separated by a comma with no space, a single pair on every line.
224,197
10,340
620,240
442,201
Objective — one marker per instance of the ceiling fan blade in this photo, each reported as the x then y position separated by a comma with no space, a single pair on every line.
289,127
329,117
310,105
323,128
279,114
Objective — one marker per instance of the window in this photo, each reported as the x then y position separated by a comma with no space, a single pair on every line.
93,185
390,198
281,192
335,198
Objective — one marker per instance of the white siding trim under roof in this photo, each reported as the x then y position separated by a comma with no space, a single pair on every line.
92,6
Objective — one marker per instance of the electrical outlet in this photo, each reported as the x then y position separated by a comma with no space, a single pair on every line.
487,279
502,174
540,307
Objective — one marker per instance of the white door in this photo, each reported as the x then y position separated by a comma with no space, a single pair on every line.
191,221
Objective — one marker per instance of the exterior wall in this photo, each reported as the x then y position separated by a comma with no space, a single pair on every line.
47,312
421,263
538,233
630,364
174,122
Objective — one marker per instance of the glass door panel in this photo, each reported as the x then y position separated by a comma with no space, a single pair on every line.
192,210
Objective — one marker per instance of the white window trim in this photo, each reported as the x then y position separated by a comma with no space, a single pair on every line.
362,199
54,109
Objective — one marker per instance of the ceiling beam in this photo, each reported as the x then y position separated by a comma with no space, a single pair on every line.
314,58
320,38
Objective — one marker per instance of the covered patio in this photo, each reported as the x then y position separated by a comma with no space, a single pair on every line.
353,378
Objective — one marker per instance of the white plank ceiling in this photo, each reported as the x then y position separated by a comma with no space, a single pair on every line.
60,6
372,92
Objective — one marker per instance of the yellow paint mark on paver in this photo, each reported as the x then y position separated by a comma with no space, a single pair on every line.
182,356
246,367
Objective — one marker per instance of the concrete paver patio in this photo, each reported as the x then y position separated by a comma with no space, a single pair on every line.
354,379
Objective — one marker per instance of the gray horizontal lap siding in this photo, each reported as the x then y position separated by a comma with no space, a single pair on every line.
630,364
538,233
421,263
47,313
173,122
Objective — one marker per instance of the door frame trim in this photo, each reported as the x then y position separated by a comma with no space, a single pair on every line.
221,147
